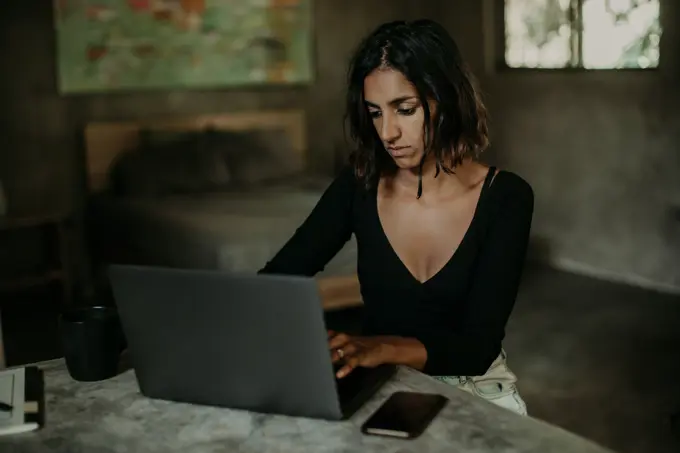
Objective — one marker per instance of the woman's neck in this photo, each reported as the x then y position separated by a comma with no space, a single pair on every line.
407,180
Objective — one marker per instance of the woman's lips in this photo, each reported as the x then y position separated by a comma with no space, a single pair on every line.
398,151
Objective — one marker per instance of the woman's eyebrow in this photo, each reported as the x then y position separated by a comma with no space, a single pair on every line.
394,102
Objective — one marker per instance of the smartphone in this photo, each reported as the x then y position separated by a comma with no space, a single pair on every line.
405,414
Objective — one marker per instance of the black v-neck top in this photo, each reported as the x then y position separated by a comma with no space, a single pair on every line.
460,313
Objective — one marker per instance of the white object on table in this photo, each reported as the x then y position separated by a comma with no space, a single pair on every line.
12,392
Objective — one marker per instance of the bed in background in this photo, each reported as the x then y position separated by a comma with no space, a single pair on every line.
214,192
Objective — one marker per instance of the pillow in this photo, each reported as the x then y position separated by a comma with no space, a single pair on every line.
257,156
162,167
151,138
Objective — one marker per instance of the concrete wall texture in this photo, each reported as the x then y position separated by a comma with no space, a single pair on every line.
601,148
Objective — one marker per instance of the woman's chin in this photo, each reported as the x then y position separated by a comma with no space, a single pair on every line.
407,162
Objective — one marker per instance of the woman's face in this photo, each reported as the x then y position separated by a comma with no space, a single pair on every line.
398,115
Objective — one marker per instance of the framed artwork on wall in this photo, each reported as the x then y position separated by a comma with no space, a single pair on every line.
122,45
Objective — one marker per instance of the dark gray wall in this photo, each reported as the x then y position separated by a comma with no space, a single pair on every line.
601,149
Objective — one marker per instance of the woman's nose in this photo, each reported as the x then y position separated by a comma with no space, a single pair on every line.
389,130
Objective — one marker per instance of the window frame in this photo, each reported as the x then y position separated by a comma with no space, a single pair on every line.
576,19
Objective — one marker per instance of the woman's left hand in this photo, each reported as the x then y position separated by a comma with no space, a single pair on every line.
356,351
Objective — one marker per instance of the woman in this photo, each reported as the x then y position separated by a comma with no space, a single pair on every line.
441,238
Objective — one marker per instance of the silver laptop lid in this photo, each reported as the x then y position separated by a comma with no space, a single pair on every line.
254,342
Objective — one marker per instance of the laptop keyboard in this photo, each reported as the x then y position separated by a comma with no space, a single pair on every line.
359,381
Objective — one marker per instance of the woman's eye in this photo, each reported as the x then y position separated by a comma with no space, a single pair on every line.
407,112
374,113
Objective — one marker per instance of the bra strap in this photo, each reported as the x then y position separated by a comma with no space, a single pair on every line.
489,177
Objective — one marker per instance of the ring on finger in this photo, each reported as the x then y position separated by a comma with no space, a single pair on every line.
341,353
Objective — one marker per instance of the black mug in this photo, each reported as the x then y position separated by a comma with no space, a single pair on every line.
92,340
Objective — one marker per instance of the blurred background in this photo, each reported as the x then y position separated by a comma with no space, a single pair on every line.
198,133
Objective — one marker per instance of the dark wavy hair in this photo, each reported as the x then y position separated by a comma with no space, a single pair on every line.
425,53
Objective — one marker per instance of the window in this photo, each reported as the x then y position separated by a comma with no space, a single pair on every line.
587,34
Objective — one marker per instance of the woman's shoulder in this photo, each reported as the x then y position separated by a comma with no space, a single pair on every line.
345,184
347,177
511,181
510,187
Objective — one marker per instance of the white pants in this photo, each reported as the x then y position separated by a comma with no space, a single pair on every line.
497,385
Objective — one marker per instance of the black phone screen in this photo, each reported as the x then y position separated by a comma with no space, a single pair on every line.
404,414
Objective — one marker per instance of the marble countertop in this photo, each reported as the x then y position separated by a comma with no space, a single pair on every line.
112,416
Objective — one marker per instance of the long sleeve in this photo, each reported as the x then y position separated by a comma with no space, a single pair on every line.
323,233
470,350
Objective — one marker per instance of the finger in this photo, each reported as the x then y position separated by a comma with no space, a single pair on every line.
343,352
368,358
338,341
350,364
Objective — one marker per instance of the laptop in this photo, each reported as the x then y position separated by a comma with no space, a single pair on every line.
250,342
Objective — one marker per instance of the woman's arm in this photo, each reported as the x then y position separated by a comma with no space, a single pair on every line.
471,351
323,233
